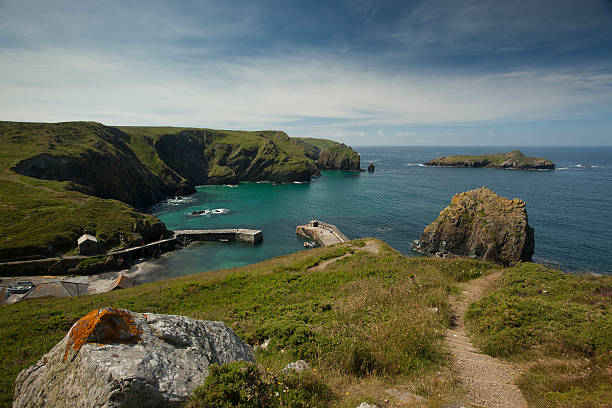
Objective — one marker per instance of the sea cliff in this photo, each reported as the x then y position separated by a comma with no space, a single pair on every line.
58,180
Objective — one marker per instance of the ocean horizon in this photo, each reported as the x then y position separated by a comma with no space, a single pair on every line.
570,208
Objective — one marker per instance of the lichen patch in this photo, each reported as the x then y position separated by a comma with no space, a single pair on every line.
103,326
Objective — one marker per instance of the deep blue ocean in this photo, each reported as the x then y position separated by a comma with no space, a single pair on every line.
569,208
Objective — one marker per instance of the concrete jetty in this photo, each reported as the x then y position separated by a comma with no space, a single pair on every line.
232,234
323,233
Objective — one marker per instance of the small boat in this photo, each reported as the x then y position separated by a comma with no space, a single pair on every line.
224,239
310,244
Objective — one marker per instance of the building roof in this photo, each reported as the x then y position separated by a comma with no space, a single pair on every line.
86,237
122,282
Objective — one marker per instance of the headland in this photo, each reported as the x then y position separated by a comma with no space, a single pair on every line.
96,179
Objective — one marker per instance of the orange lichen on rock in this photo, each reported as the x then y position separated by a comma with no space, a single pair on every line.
103,326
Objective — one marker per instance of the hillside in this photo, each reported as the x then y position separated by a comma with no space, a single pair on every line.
512,160
60,179
370,322
330,155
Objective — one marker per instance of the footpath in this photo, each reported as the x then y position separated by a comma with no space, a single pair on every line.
490,382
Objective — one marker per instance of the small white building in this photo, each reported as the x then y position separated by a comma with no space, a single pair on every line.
88,244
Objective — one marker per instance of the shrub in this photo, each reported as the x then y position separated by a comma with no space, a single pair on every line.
242,384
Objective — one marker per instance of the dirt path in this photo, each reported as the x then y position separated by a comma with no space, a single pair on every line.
490,382
370,246
326,263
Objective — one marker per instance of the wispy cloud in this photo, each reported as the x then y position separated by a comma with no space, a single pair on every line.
348,68
268,91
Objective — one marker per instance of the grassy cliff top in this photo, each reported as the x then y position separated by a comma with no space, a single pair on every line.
514,159
59,179
22,140
318,145
367,322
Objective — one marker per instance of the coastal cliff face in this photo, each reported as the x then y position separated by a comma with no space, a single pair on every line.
481,224
330,155
512,160
60,179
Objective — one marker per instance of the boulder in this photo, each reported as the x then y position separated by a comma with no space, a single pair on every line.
480,224
371,167
116,358
296,366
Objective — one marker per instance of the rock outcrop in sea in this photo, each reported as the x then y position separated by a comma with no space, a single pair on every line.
117,358
371,167
480,224
512,160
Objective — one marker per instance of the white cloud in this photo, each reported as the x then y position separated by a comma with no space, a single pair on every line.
57,85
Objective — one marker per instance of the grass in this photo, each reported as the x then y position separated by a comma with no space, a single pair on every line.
364,322
562,322
245,385
39,217
42,217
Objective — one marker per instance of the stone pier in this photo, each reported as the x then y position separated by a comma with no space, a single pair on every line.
233,234
323,233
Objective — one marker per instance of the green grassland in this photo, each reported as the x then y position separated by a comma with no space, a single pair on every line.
60,179
41,217
560,321
365,323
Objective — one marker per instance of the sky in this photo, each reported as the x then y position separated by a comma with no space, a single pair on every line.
430,72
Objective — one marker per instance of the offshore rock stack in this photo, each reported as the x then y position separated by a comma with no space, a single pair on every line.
480,224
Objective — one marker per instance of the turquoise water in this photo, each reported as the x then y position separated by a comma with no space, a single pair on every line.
569,208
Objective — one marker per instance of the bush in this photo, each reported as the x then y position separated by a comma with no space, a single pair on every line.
242,384
236,384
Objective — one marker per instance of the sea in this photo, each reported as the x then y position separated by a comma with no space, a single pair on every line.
570,208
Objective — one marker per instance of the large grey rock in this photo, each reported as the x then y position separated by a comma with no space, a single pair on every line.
116,358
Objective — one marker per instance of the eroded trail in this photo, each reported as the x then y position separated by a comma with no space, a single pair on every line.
370,246
490,381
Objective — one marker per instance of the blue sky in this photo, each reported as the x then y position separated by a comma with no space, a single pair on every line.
406,72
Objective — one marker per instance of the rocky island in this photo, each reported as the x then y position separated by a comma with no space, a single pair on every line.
58,180
512,160
480,224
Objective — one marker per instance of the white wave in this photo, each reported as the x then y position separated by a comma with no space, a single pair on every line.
231,185
414,165
208,212
563,168
179,200
300,182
